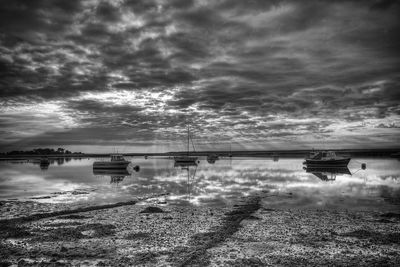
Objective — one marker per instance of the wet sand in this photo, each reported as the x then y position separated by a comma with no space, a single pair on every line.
247,233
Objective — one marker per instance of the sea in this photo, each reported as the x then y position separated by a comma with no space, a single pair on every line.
366,183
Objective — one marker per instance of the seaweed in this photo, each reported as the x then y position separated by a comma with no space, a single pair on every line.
152,210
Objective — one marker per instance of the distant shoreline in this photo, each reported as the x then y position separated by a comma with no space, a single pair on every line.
255,153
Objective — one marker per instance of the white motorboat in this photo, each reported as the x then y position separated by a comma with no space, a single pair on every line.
326,159
117,162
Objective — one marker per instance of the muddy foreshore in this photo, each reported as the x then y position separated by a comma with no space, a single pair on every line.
247,233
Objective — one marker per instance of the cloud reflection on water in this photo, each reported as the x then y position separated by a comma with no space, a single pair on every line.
284,183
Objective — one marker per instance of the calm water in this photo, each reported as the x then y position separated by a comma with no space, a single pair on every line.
285,182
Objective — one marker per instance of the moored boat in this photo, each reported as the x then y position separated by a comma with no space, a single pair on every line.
111,172
117,162
185,163
212,158
186,159
326,159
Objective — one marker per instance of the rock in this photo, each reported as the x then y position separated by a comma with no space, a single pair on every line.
42,197
391,215
79,193
152,210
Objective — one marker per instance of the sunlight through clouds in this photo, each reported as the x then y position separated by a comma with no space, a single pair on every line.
254,75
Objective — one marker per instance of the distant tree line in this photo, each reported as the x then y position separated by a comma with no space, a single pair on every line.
42,151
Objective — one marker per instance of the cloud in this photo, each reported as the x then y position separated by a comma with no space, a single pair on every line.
392,125
232,69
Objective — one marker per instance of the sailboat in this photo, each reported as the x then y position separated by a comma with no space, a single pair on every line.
186,160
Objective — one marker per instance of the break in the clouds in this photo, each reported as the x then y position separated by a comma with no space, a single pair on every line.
254,74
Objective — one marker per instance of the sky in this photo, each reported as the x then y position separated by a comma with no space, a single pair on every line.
96,76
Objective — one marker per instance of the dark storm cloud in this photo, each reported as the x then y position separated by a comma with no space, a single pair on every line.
383,4
244,66
24,18
82,136
107,12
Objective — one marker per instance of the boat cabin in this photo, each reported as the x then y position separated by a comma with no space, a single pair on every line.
323,155
117,157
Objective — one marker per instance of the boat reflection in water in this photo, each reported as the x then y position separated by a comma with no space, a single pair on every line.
190,178
185,164
44,163
116,175
327,173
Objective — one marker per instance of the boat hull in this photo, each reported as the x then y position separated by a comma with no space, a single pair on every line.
330,169
327,163
110,165
111,172
185,159
185,164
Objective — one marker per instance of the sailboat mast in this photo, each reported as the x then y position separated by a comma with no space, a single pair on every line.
188,141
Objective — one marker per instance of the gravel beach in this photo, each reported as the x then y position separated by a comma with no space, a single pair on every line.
247,233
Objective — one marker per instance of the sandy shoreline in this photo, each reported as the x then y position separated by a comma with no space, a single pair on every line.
246,233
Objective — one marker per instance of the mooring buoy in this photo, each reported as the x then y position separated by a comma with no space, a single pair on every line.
363,166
